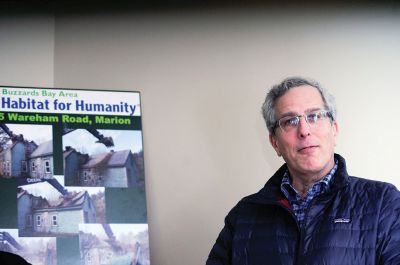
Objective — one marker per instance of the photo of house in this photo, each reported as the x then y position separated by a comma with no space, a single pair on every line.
94,164
40,163
38,251
48,209
114,244
71,160
24,155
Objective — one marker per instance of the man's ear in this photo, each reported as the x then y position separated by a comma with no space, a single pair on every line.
274,142
335,131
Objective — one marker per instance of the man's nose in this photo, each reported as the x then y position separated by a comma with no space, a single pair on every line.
303,127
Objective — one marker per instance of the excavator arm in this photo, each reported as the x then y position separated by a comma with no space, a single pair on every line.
14,137
107,141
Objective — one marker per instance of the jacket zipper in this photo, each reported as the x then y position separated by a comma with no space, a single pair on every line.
299,250
301,234
298,260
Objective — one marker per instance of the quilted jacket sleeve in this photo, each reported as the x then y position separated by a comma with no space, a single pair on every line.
221,253
388,252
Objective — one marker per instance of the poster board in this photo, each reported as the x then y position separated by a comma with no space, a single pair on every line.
72,176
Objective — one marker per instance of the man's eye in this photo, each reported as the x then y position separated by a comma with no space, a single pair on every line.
313,117
290,122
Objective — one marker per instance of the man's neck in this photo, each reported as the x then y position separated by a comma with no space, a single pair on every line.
302,185
302,182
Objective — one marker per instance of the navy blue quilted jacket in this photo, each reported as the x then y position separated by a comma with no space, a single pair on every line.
356,223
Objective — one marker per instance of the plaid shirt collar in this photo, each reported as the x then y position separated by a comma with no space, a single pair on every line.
298,204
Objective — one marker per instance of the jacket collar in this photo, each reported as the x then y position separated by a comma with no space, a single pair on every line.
271,193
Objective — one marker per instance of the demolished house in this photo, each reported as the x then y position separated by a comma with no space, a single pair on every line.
94,250
15,158
27,159
39,217
43,253
41,161
111,169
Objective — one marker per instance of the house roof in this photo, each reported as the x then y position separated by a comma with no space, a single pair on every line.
97,160
68,152
13,144
43,149
119,158
111,159
23,192
40,201
71,199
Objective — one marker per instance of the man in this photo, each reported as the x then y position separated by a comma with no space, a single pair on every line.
310,212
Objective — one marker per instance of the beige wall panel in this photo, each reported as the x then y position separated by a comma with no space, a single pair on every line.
203,77
27,49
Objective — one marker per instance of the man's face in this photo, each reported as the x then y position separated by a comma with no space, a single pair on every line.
307,150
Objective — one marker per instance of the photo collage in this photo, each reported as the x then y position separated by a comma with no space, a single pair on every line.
74,162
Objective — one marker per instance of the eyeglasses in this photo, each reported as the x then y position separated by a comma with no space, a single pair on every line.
314,118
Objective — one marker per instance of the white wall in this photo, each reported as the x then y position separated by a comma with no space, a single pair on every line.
203,76
27,50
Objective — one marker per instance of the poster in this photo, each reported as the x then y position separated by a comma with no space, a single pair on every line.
72,176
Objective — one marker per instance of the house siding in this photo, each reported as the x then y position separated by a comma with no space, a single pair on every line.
109,172
7,163
18,154
11,160
132,173
99,256
15,161
71,172
41,168
115,177
24,209
91,177
66,222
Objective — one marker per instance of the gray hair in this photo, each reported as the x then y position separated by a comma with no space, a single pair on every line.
268,108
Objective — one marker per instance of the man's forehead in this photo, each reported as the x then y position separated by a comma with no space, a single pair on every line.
299,99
